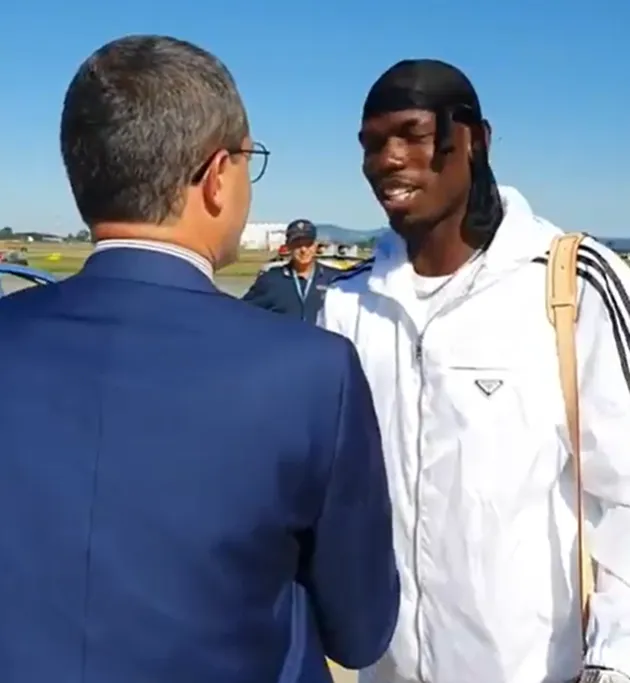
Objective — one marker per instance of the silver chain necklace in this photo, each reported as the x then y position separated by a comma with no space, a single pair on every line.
454,274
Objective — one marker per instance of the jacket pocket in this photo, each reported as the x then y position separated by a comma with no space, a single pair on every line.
498,424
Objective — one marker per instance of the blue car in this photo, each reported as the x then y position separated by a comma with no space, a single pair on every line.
38,277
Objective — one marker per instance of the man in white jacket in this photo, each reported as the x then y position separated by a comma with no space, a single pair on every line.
449,319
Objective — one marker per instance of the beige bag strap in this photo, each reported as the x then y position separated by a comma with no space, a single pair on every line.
562,310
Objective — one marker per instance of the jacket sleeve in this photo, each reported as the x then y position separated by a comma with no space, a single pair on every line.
351,577
604,347
258,294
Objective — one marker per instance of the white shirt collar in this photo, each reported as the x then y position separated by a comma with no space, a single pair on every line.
196,260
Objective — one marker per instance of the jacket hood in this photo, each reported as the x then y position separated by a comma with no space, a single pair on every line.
521,236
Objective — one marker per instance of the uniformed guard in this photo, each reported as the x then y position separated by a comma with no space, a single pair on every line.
298,287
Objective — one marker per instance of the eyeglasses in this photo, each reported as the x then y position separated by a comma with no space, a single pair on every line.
257,157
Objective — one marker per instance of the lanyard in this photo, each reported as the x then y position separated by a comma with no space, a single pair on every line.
296,281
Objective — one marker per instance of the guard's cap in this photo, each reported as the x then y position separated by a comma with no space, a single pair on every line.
300,230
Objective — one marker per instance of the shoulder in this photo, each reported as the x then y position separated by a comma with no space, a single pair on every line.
593,257
349,284
606,278
299,351
599,266
603,283
353,279
268,272
285,337
272,274
327,271
25,299
19,309
342,302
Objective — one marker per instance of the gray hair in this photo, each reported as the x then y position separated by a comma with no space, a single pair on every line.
140,116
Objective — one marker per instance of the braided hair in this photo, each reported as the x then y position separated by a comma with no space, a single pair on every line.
439,87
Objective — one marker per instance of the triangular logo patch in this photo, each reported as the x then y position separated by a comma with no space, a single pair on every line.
489,386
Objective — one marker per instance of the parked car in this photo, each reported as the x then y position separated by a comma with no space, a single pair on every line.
38,277
15,256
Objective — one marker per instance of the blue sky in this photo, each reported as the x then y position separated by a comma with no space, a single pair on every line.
552,76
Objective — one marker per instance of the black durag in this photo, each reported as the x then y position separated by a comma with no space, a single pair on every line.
435,86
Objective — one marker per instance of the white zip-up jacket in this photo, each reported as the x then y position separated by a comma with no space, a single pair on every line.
476,445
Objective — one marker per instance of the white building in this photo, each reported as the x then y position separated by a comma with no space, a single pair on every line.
269,236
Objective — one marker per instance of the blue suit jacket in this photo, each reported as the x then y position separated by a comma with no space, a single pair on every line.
174,509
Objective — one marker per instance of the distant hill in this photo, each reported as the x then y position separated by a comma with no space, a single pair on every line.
335,233
619,244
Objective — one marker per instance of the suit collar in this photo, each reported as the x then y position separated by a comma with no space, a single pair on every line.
162,247
148,266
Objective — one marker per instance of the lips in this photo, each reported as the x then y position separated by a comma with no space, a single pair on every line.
396,197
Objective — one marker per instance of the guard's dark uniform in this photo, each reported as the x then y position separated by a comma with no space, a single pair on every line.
277,290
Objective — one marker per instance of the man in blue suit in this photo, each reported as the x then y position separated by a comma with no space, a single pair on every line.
172,512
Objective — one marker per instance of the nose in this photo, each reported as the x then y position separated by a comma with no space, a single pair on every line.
392,156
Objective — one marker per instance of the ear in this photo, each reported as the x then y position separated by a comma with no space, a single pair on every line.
214,184
487,130
480,134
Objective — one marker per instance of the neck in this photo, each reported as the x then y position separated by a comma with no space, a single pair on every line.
169,234
302,269
439,248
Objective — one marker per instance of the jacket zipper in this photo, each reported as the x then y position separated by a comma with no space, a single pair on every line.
419,365
417,535
417,532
